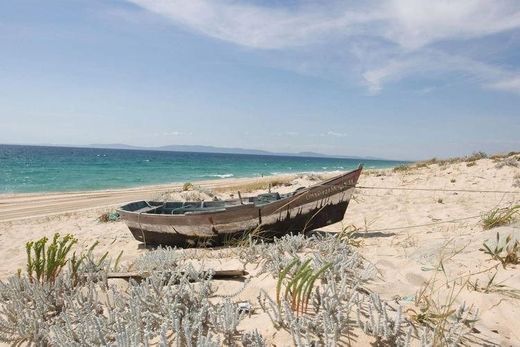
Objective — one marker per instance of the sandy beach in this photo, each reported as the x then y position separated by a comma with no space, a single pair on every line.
23,206
406,223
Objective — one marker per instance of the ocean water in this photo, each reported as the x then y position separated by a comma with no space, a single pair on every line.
49,169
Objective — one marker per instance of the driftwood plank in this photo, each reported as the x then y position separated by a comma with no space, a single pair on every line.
218,274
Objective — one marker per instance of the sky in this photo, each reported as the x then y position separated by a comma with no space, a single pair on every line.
400,79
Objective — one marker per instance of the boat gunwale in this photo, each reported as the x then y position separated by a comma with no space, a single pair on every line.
232,208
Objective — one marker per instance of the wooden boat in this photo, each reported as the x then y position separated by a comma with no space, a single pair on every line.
188,224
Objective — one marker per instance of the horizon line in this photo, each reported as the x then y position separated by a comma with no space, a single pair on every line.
306,154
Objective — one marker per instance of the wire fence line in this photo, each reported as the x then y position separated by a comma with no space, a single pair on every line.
419,225
441,190
432,190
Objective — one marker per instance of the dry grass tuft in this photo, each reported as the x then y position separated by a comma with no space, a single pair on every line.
468,159
248,237
349,235
311,177
193,195
516,181
510,161
431,161
475,156
436,305
503,155
187,186
402,168
254,186
421,165
500,216
492,287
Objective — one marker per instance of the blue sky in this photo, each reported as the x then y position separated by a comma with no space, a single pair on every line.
404,79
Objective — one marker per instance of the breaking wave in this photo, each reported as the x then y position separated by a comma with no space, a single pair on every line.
220,175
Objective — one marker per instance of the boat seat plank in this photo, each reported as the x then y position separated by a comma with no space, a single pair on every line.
147,209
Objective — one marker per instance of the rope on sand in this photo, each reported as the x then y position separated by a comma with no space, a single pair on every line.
441,190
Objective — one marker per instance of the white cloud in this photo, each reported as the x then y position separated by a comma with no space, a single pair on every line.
386,40
414,24
286,133
432,61
336,134
511,84
410,23
256,26
173,133
374,79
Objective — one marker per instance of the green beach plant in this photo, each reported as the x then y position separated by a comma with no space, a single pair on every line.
299,286
44,263
507,252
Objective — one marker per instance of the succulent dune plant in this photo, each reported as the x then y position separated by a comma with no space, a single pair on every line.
184,309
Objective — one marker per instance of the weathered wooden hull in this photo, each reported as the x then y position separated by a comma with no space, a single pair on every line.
311,208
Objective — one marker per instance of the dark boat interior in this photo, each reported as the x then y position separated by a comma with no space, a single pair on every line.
179,207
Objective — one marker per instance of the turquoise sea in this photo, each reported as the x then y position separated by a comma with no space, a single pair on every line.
26,169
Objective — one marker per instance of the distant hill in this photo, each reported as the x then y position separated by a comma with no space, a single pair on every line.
211,149
114,146
225,150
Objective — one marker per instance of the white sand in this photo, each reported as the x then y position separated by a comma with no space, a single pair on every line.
404,233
